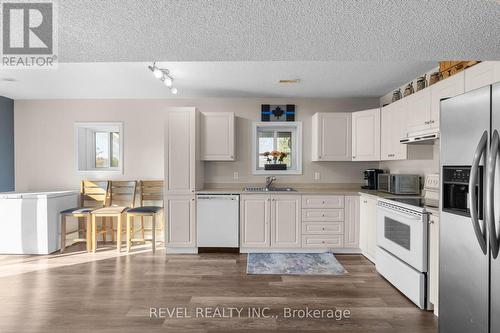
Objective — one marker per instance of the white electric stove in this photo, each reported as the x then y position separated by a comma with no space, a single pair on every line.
402,239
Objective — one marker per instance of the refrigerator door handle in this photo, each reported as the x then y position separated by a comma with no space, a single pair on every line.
490,192
473,181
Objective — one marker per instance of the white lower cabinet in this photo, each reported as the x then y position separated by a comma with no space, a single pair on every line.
290,221
323,221
180,221
434,261
368,227
325,241
270,221
351,233
285,221
255,213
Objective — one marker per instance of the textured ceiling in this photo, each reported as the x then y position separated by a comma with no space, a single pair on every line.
333,79
239,30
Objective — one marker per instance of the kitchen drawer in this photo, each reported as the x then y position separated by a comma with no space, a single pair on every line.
322,201
323,241
315,228
322,215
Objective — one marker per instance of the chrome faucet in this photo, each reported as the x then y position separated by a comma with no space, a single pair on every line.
269,181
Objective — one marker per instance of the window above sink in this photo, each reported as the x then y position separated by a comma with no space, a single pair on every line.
282,137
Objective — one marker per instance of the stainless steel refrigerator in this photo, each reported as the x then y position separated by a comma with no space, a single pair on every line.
469,264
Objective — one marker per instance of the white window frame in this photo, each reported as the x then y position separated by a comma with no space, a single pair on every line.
296,128
85,147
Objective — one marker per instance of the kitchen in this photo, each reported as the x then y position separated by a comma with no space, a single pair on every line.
397,158
264,188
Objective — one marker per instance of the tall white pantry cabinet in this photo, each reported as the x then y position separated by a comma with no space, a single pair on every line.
183,176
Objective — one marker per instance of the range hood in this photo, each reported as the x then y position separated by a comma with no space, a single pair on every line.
421,139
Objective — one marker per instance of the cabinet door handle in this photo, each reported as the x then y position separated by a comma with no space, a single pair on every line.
319,156
231,157
353,157
323,228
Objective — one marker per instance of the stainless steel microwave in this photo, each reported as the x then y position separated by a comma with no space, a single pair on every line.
399,184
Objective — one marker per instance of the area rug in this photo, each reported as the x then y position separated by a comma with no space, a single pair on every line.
294,264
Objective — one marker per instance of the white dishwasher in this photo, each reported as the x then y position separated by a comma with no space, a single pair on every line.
218,220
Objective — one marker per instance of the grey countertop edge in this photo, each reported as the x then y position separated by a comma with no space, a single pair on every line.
310,191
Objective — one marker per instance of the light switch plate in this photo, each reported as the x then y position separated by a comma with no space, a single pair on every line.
317,176
236,175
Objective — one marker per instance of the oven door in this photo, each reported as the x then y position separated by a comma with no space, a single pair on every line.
403,233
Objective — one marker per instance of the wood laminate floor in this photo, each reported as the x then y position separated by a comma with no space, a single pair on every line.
104,292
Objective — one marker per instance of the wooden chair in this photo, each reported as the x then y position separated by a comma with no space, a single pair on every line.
151,191
93,196
121,198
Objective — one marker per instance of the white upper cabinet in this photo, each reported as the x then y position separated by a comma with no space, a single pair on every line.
217,136
183,169
393,128
450,87
366,135
331,136
419,111
482,74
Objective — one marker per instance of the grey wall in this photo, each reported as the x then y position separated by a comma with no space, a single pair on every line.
45,139
6,144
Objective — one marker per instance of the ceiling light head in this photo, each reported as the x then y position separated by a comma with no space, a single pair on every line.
157,73
168,81
174,91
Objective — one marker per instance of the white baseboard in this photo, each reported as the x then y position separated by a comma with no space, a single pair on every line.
181,250
369,257
194,250
300,250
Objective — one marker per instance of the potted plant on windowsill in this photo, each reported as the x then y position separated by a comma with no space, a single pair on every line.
275,160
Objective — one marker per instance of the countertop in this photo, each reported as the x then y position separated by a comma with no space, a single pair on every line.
30,195
331,189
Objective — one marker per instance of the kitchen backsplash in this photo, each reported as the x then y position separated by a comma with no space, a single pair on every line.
423,160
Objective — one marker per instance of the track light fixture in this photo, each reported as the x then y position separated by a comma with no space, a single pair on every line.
163,75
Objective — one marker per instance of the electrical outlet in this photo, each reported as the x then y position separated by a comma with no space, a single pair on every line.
236,175
317,176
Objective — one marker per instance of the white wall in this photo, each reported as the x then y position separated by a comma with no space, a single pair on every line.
45,147
422,160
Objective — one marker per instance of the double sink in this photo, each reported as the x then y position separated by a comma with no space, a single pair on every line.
268,189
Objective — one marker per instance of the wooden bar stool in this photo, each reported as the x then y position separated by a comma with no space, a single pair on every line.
93,196
121,198
151,192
